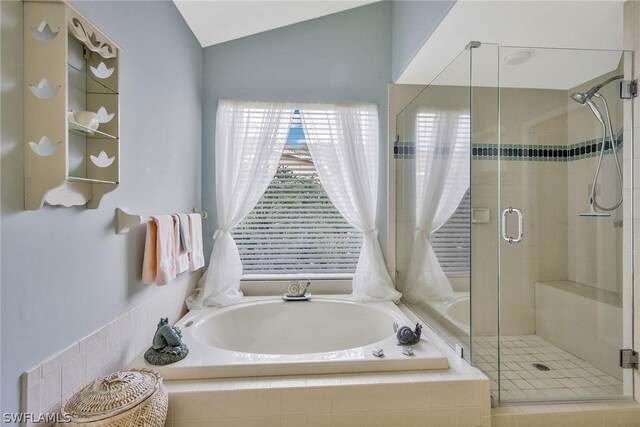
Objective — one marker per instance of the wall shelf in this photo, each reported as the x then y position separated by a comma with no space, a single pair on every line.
95,85
70,65
89,180
79,129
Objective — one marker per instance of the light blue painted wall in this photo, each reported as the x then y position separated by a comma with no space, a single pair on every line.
341,57
65,272
413,23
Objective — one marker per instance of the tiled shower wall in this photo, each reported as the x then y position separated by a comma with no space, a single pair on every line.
594,244
528,118
543,254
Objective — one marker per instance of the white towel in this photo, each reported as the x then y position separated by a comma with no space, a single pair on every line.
150,260
196,256
165,248
185,241
181,256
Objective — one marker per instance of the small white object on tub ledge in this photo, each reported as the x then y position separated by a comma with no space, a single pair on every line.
377,352
407,351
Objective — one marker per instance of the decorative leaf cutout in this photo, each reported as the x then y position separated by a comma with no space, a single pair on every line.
44,147
101,71
90,40
44,90
102,161
44,32
104,116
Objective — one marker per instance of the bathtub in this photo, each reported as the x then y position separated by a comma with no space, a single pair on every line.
453,313
265,336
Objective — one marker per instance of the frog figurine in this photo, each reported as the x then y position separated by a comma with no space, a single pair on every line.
167,345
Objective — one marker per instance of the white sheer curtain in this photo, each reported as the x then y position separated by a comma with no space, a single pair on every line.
344,144
250,137
442,179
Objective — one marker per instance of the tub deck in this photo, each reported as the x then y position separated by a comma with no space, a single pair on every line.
206,361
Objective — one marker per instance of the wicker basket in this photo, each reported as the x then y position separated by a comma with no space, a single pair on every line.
133,398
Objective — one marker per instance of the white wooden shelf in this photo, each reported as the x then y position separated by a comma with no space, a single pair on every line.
70,64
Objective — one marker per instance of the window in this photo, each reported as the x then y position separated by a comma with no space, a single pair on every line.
295,229
452,242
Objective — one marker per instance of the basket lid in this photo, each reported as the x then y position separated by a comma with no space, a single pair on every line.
112,395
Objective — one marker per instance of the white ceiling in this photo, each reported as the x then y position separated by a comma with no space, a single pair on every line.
217,21
570,24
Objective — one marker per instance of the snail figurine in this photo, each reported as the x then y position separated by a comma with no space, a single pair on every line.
406,336
295,289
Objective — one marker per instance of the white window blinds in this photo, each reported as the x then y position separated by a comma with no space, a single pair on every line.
452,242
294,228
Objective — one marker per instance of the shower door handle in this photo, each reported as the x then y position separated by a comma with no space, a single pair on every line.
506,237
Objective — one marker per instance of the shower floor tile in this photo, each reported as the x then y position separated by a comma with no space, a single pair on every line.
567,378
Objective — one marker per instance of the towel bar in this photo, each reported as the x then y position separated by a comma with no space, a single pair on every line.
126,220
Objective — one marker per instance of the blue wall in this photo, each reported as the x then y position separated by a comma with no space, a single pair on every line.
65,272
413,23
340,57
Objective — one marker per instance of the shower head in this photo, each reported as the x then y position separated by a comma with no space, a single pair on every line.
580,98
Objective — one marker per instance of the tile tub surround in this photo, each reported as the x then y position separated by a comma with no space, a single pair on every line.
267,336
457,397
111,348
416,398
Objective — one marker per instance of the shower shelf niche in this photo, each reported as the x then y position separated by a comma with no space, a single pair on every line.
70,64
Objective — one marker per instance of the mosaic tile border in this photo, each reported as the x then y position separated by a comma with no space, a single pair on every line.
542,153
519,152
404,150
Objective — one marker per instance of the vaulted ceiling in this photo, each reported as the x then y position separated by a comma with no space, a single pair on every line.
218,21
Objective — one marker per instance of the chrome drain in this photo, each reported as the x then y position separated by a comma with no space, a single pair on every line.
541,366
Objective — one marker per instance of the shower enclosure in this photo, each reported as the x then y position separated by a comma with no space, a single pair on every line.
507,244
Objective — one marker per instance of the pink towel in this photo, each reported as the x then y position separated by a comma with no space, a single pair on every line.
150,260
196,256
181,258
166,267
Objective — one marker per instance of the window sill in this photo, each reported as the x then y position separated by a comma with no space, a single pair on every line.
277,285
296,276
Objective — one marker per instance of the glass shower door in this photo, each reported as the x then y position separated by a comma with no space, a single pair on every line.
433,236
564,240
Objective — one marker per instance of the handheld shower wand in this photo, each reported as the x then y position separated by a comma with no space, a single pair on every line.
586,98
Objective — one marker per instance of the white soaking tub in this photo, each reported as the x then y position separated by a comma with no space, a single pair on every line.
264,336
